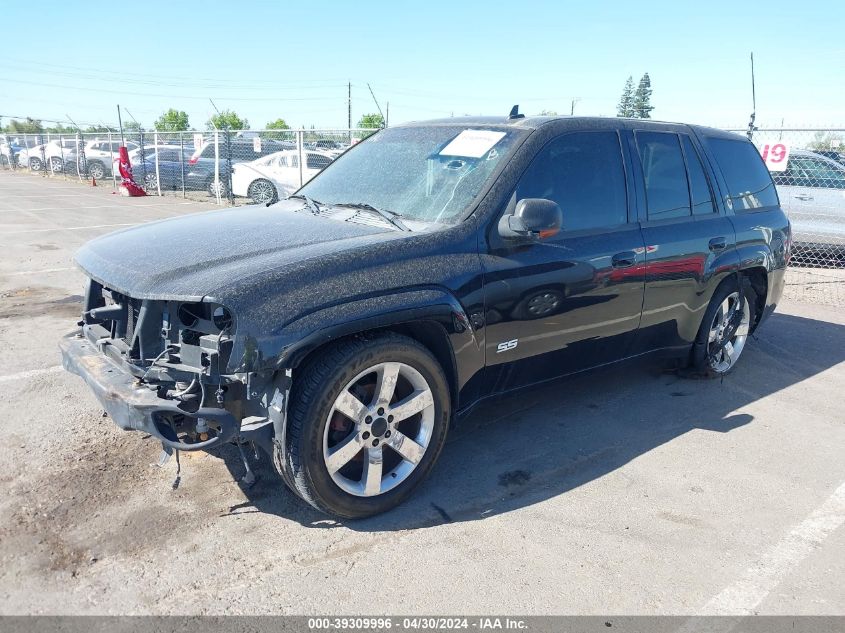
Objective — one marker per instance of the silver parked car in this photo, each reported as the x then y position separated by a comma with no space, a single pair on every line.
812,192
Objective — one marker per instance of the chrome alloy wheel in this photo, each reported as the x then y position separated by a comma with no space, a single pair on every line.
729,351
378,430
262,191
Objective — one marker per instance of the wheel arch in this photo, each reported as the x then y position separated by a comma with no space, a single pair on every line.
432,317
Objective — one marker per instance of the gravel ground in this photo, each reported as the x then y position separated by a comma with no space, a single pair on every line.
629,491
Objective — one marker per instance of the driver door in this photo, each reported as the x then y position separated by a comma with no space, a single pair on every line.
571,301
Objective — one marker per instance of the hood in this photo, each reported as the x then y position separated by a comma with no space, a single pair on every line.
193,256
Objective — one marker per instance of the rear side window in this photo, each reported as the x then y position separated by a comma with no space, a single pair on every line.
316,161
667,194
702,198
583,173
748,180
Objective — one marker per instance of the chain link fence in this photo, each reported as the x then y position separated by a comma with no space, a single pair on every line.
808,167
233,167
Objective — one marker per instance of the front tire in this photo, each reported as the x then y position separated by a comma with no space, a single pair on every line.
368,419
719,344
35,164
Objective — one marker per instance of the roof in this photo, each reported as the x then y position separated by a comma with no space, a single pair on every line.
534,122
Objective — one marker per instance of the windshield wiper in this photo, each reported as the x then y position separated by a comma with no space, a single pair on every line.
312,205
390,216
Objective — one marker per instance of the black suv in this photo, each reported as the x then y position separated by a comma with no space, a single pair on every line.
431,266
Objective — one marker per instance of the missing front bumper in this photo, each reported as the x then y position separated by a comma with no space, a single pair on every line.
131,404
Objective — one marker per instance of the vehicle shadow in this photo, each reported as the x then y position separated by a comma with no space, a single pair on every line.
525,448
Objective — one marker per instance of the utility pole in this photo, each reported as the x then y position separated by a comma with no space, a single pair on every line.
572,105
349,109
387,115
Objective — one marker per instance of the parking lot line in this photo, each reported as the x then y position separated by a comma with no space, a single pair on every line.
744,595
70,228
38,272
31,373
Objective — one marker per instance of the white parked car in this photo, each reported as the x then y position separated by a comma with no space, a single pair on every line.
812,192
55,154
278,175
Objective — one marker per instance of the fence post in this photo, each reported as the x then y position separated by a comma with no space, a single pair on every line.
142,156
111,156
62,152
229,195
41,144
158,171
182,159
300,135
217,166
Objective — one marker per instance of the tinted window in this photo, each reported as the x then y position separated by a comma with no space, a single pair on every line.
667,193
748,180
702,199
168,154
814,172
315,161
583,173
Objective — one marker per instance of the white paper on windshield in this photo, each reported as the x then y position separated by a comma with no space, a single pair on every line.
472,143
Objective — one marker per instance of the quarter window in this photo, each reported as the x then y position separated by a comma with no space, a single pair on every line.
584,174
746,176
667,193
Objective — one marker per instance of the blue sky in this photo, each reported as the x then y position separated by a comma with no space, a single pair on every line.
427,59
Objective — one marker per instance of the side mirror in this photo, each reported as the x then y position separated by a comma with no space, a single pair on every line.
535,218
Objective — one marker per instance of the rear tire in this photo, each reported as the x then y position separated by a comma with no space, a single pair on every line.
96,170
56,165
709,358
213,187
262,191
349,464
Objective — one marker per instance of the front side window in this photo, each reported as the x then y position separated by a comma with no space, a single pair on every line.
583,173
427,173
749,183
667,193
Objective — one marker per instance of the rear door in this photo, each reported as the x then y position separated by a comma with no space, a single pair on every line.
573,300
685,236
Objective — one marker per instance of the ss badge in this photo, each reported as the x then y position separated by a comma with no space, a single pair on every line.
507,346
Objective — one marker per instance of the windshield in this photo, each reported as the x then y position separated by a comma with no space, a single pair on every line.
422,173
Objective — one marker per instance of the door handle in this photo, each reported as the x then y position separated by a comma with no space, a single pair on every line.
803,196
624,260
718,244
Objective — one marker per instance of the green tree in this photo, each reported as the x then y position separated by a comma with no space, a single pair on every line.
60,129
642,98
172,121
129,126
548,113
626,102
27,126
227,120
371,121
827,141
278,124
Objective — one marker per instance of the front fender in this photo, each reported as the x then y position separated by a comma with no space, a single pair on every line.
296,339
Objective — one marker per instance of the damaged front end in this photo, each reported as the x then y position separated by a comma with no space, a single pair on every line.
159,366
